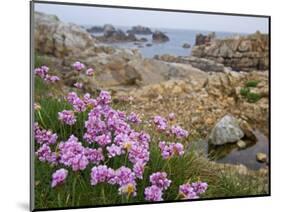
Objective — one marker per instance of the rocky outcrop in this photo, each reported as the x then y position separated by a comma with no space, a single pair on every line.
186,45
200,63
201,39
226,130
95,29
140,30
242,53
159,37
116,36
59,39
200,98
111,34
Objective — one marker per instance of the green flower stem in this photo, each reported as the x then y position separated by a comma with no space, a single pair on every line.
103,194
74,189
126,157
41,119
59,198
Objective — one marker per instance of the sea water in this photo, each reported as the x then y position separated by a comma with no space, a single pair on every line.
173,47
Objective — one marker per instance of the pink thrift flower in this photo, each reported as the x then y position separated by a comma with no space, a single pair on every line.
187,191
103,140
124,176
77,103
45,154
153,193
138,169
104,98
41,72
51,78
160,180
114,150
67,116
179,132
44,136
90,72
78,66
94,155
170,149
171,116
59,177
178,148
199,187
160,122
72,154
101,174
78,85
134,118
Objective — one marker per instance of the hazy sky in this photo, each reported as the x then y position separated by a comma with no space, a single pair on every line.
156,19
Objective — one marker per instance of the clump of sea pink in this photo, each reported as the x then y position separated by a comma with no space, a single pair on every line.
78,66
43,136
153,193
169,150
90,72
160,180
72,154
102,174
59,177
78,85
193,190
67,116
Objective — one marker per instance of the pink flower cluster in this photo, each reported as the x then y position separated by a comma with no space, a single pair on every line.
108,135
159,182
78,104
42,72
67,116
179,132
72,154
102,174
78,66
193,190
134,118
153,193
94,156
90,72
162,125
124,177
59,177
43,136
45,154
78,85
168,150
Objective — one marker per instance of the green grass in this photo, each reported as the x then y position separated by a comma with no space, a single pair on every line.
244,91
247,94
253,97
252,83
77,190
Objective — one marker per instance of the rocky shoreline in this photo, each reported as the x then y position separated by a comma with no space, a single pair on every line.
201,89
